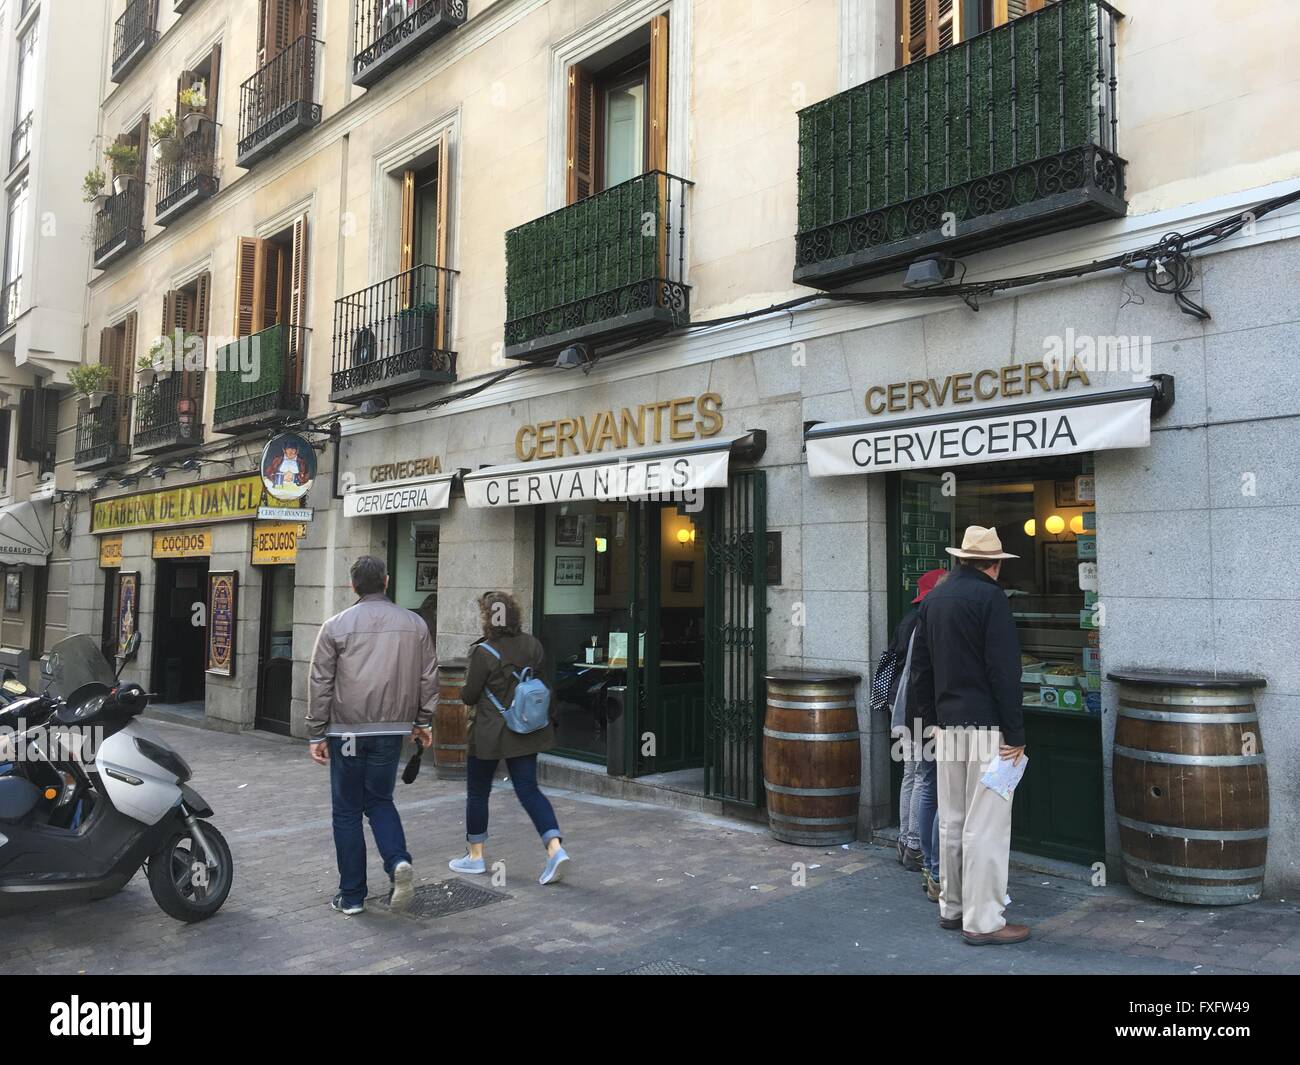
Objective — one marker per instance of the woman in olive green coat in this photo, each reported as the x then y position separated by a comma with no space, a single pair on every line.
490,739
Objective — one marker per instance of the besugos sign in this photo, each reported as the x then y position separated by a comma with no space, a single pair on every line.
228,500
275,543
666,421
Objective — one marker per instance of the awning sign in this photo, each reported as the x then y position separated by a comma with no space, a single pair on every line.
26,533
397,497
654,473
1002,435
110,552
185,543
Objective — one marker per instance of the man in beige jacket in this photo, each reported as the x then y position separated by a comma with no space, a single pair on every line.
374,681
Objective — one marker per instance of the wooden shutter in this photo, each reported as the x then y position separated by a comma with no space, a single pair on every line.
250,264
142,142
126,354
406,257
298,302
26,412
49,425
929,26
214,71
274,285
581,135
276,28
202,295
444,199
658,101
1006,10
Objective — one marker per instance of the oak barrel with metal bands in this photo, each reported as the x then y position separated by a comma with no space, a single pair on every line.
811,756
451,721
1191,786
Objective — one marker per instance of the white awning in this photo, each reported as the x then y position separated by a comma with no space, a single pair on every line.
398,497
1097,422
661,471
26,532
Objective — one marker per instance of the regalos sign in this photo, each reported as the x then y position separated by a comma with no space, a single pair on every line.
228,500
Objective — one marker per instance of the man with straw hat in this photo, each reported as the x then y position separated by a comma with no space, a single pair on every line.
966,672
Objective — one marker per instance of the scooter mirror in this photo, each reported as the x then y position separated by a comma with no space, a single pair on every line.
50,664
132,646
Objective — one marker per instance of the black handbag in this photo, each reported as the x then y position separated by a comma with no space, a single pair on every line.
412,769
882,680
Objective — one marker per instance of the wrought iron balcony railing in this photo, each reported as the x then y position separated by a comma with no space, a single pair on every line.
394,336
278,102
187,173
103,433
133,35
605,268
1007,135
259,380
119,224
168,413
20,141
389,32
10,296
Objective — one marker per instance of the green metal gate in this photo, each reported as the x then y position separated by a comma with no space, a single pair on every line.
735,617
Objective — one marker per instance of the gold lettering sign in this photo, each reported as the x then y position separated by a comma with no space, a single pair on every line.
275,543
405,470
685,418
189,504
187,543
110,552
1018,379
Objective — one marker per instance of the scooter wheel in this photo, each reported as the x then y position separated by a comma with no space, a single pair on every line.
183,884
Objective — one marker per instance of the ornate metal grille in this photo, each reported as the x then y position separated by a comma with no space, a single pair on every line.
386,31
133,32
119,225
281,95
167,412
191,170
103,431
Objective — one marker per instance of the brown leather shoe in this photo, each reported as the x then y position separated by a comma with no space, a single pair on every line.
950,923
1010,933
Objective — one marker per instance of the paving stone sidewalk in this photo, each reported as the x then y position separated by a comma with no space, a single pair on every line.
653,890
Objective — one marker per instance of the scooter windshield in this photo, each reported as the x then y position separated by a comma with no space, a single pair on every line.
77,661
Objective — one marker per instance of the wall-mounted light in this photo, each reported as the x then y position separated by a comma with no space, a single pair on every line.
1076,524
1031,527
1055,524
686,536
602,545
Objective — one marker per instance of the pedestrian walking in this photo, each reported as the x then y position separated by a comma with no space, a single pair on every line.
496,662
913,841
373,681
966,669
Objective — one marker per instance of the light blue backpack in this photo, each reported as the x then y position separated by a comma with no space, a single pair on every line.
530,709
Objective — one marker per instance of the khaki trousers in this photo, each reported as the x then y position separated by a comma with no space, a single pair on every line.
974,830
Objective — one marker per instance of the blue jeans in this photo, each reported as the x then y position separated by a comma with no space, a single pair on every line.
523,775
927,791
362,783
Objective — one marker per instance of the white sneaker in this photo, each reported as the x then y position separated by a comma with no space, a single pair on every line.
467,865
403,887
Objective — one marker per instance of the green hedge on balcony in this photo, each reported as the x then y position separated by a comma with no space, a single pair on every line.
867,148
268,374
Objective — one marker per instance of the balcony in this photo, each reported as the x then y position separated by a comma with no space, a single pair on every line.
1007,135
259,380
606,268
277,103
188,176
20,141
390,32
10,297
119,225
103,433
167,414
133,36
394,336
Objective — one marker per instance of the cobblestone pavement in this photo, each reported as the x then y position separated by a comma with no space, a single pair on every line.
652,890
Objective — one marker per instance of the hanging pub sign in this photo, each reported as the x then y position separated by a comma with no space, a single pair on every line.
275,543
288,467
222,592
128,603
110,552
186,543
188,504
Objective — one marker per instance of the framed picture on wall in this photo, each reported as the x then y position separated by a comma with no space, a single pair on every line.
223,615
570,570
13,589
1060,569
426,576
683,576
569,531
426,543
1067,493
128,602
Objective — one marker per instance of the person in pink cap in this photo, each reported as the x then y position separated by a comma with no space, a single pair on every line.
917,802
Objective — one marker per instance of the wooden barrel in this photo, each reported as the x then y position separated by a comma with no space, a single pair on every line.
1191,786
811,756
451,722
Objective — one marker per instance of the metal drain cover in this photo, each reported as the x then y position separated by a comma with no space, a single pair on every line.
447,897
663,968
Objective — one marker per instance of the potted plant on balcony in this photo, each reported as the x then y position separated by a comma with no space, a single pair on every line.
194,104
166,144
125,162
90,382
92,187
415,326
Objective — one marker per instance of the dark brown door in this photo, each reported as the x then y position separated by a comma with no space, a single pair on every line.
275,652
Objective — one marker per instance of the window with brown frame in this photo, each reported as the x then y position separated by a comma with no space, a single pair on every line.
929,26
280,23
271,288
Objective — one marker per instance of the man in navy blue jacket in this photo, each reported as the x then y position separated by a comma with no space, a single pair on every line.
966,676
